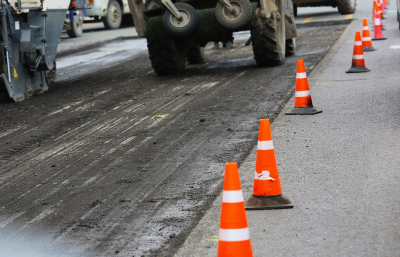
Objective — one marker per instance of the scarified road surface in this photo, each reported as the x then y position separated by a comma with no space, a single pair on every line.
85,169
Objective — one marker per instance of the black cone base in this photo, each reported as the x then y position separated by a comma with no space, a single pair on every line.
268,202
358,69
369,49
303,111
379,38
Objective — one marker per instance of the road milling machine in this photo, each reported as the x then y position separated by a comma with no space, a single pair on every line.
30,33
177,31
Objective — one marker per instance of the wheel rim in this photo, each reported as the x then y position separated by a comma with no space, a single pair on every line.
180,23
233,16
115,14
79,21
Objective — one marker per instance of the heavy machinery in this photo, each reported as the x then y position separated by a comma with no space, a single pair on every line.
30,33
74,20
344,6
176,30
113,13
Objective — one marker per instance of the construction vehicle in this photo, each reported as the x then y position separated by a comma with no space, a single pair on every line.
30,33
74,20
344,6
176,31
113,13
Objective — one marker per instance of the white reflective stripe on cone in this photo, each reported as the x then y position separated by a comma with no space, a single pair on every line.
301,75
265,145
264,175
358,57
366,28
358,43
233,235
378,22
301,93
232,196
366,39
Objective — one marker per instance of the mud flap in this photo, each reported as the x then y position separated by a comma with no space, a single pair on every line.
291,31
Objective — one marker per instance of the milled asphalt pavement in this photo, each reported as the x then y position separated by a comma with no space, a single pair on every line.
340,168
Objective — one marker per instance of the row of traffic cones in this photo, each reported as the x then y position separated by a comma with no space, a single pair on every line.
234,236
364,43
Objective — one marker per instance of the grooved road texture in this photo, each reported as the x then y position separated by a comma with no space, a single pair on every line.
86,169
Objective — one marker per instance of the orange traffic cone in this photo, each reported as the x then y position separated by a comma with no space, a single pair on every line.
374,5
373,11
234,236
267,192
302,103
366,38
383,4
378,28
380,9
358,62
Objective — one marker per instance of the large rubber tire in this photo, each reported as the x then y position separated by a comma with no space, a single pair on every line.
346,6
234,21
290,47
113,18
77,26
195,53
269,39
167,56
184,27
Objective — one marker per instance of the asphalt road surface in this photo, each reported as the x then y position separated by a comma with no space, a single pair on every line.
86,169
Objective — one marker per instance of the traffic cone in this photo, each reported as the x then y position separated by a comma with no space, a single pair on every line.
358,63
234,236
378,28
374,6
380,9
302,103
383,5
366,38
267,192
